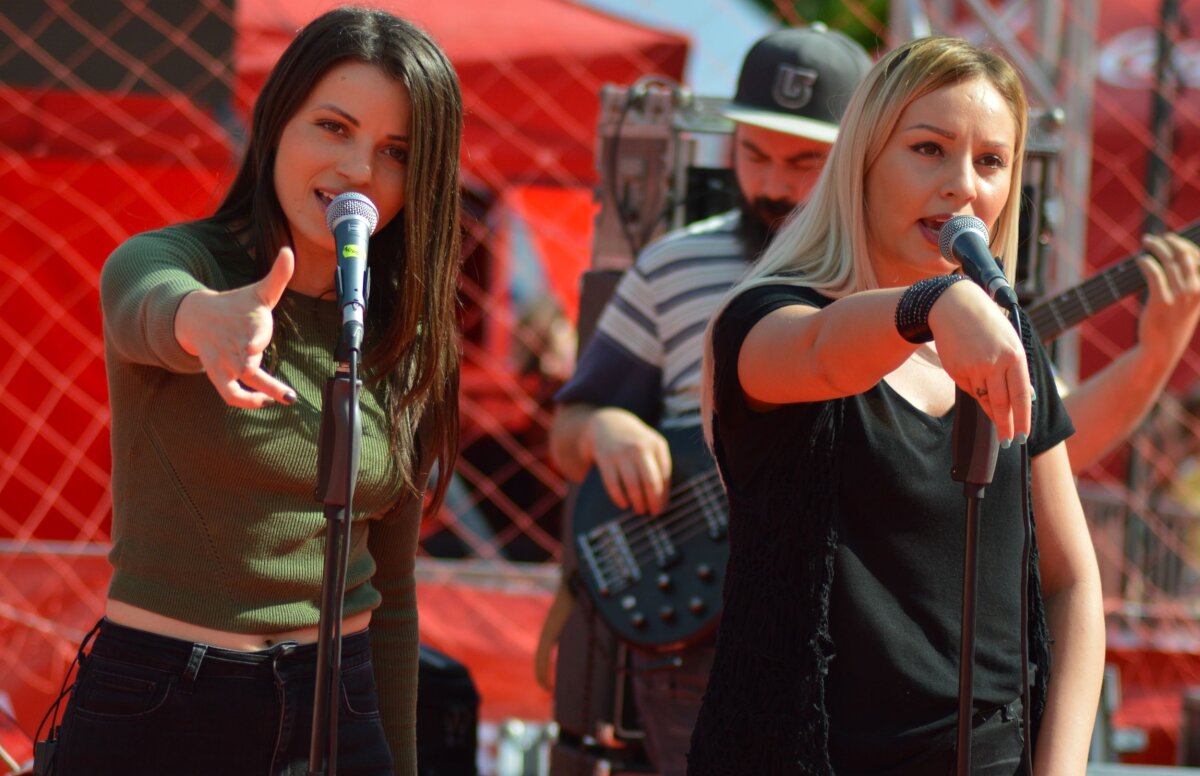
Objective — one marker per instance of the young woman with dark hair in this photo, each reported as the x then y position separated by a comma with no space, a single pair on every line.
220,335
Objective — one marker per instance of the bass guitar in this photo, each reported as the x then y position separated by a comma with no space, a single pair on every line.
656,580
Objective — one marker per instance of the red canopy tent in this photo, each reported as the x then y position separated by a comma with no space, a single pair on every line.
531,72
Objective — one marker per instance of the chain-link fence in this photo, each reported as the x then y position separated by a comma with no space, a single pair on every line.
118,117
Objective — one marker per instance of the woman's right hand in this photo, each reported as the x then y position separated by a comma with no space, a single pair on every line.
229,331
981,351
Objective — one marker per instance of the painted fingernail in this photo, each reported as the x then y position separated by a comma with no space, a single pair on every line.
1032,396
1006,443
289,397
1022,438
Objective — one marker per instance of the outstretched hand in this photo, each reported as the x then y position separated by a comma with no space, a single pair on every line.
229,331
980,350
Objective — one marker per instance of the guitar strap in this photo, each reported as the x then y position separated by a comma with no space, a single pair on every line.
552,627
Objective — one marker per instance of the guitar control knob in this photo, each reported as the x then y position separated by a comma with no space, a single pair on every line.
638,619
628,602
664,582
696,605
666,613
705,572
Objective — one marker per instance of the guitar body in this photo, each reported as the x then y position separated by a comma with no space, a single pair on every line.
656,580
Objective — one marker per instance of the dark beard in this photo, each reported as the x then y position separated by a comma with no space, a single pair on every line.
761,218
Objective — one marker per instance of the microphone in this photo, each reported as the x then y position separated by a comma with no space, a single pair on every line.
964,239
352,218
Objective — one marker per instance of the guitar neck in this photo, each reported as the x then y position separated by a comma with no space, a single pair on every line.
1051,317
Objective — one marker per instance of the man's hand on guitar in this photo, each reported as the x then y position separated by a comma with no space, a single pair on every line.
1109,405
656,581
1173,300
633,459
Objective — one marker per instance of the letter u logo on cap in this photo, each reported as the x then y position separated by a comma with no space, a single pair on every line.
793,86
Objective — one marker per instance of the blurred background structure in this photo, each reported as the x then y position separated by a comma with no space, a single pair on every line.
122,116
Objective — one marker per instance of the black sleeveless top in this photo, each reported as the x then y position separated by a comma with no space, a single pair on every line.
845,574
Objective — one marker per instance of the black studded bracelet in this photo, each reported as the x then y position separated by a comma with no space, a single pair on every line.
912,311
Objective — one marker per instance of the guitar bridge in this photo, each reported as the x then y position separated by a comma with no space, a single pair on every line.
607,555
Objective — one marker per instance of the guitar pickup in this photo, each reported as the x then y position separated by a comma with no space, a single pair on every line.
607,555
660,541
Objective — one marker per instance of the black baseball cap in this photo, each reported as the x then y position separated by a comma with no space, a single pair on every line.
798,81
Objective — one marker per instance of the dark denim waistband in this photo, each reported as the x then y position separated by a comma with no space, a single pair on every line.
119,642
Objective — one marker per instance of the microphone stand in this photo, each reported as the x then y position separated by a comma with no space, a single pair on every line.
337,471
975,452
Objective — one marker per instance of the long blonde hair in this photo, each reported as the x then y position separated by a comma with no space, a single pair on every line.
823,245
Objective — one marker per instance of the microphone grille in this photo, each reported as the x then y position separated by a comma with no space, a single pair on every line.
956,226
352,203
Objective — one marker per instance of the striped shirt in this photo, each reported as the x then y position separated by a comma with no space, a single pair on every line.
646,353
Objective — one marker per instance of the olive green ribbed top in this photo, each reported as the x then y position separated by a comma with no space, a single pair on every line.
214,518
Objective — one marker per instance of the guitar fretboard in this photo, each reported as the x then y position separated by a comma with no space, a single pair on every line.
1051,317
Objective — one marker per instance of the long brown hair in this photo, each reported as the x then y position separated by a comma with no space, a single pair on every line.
412,341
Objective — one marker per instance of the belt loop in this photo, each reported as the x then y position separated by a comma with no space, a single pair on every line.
193,666
278,652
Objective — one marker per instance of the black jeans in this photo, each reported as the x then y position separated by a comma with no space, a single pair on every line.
153,705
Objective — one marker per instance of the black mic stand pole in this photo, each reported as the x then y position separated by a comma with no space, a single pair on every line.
975,452
337,471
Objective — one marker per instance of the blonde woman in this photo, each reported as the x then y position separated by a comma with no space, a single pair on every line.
830,390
